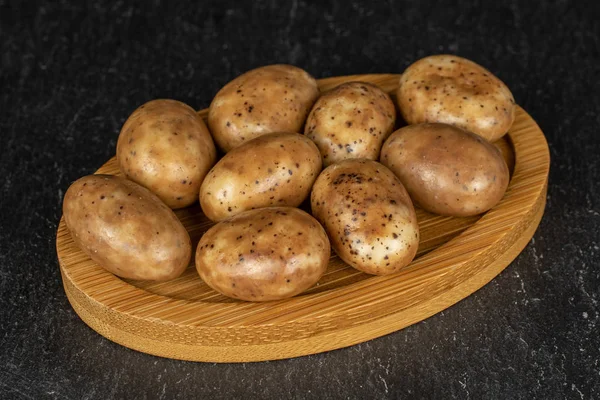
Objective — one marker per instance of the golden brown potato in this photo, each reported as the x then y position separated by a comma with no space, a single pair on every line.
351,121
166,147
261,255
277,169
367,214
456,91
445,169
126,229
275,98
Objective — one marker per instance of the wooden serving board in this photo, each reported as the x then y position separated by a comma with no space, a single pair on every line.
185,319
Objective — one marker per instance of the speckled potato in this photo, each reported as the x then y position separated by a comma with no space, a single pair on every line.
453,90
166,147
445,169
126,229
351,121
260,255
276,169
368,216
274,98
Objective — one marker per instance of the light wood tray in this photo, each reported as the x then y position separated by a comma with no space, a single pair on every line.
187,320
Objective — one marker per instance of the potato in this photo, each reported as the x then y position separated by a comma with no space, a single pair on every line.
274,98
166,147
261,255
351,121
126,229
445,169
276,169
367,214
456,91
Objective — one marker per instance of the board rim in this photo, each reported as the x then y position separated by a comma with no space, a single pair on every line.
318,330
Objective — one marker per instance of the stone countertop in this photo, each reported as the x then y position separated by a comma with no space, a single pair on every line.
71,74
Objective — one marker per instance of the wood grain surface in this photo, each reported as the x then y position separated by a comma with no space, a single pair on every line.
185,319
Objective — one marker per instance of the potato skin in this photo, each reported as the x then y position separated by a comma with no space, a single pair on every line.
445,169
261,255
351,121
166,147
274,98
276,169
126,229
453,90
367,214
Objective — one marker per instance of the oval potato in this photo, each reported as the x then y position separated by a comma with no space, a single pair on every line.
276,169
453,90
260,255
166,147
274,98
126,229
368,216
445,169
351,121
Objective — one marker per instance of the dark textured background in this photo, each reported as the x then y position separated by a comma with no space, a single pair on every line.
70,74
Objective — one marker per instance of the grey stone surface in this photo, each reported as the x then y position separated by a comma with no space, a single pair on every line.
70,74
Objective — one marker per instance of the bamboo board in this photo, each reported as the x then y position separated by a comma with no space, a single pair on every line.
185,319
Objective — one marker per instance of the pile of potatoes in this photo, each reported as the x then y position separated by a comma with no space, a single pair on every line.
284,142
